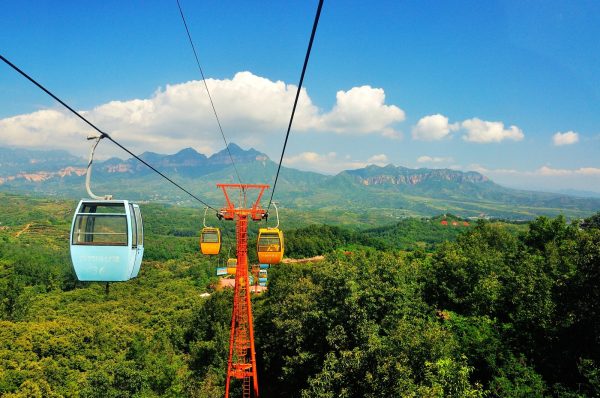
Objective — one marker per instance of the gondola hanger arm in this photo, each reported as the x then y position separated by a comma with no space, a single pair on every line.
88,174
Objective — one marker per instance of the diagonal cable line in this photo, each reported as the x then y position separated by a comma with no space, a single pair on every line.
207,90
310,43
102,133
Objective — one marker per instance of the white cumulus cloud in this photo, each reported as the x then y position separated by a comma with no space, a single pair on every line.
594,171
543,171
483,170
379,160
434,159
482,131
548,171
568,138
543,178
433,127
330,163
250,108
582,171
437,127
362,110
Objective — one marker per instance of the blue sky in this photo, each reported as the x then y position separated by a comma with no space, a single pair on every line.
413,83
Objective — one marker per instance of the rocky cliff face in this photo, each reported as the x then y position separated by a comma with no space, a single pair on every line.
391,175
41,176
117,168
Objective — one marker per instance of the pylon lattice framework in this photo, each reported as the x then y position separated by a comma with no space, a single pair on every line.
242,355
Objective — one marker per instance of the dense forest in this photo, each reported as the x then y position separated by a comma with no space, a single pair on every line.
493,310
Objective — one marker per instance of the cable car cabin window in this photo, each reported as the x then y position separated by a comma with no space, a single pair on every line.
134,235
269,243
102,208
101,224
210,237
106,230
140,226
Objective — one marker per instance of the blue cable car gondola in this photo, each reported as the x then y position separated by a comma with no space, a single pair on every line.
107,240
107,236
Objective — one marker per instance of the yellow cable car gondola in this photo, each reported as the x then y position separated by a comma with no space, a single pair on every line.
210,239
231,266
270,243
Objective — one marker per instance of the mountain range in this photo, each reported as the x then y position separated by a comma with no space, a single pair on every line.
397,191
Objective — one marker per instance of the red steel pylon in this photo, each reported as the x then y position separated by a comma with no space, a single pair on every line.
242,356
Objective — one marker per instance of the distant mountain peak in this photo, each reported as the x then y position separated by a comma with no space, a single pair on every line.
189,154
149,154
233,147
188,151
238,154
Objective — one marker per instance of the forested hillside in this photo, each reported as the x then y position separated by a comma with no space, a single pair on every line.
491,309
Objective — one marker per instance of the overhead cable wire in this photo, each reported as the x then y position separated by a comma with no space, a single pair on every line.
207,90
102,133
287,135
